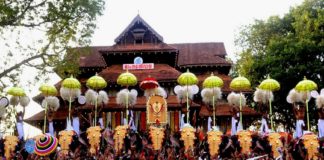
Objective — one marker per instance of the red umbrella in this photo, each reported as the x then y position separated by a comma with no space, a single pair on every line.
149,83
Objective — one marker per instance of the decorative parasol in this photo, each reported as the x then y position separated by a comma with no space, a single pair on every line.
70,89
149,83
46,145
186,79
16,91
213,82
47,90
96,83
270,85
71,83
306,86
239,84
127,79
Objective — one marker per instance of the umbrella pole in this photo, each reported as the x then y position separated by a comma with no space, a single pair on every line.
214,118
271,114
127,107
44,128
95,120
70,103
187,106
241,119
307,114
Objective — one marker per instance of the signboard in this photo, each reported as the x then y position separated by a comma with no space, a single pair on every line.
138,66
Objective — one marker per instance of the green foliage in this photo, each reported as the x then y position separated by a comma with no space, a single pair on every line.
288,48
36,34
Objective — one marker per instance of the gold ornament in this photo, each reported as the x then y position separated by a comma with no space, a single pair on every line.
214,139
245,139
157,136
93,135
65,140
311,144
10,145
188,137
275,142
119,136
156,109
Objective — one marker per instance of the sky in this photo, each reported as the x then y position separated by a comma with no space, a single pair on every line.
185,21
181,21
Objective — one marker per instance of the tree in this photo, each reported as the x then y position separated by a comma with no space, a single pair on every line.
288,49
35,34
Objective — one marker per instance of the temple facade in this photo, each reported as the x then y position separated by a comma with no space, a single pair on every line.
141,50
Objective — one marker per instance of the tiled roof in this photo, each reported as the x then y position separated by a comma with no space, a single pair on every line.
191,54
139,47
161,72
92,57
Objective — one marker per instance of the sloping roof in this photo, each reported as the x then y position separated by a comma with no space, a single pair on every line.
92,57
191,54
161,72
139,47
138,19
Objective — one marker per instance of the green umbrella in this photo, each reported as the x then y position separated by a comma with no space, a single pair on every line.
127,79
96,82
306,86
213,82
239,84
71,83
270,85
48,90
16,91
187,79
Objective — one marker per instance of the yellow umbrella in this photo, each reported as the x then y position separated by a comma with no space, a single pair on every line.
270,85
213,82
239,84
71,83
186,79
96,82
127,79
306,86
48,90
16,91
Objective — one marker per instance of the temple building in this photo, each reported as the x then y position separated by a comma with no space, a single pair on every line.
141,45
